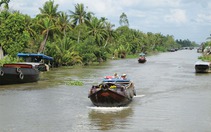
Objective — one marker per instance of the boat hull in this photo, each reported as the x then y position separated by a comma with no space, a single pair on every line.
203,67
121,95
142,60
15,75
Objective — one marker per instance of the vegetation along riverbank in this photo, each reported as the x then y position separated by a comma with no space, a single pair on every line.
75,37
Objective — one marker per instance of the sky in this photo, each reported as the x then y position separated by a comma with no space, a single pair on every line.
183,19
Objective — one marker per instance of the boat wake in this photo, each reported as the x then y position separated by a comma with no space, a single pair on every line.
139,96
107,109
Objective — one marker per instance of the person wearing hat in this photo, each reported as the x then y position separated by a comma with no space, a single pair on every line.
115,75
123,76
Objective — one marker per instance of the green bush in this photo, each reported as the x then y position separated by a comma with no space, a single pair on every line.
205,58
8,59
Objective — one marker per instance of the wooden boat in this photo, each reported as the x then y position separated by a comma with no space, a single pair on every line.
202,67
37,65
112,92
142,58
39,61
18,73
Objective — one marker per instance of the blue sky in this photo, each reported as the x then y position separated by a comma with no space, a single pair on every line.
184,19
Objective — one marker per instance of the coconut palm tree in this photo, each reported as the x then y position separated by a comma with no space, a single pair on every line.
79,16
46,26
49,10
48,17
110,33
96,28
63,53
63,23
6,4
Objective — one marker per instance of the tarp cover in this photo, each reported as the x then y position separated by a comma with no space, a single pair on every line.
35,55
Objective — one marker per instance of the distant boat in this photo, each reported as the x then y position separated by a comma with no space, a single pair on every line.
112,92
202,67
199,50
171,50
16,73
142,58
39,61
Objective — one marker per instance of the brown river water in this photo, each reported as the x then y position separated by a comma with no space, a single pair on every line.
171,97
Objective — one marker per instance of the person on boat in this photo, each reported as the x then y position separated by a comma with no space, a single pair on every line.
47,67
124,76
115,75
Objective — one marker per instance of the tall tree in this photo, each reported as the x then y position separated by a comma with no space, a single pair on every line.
46,26
13,34
6,7
96,28
49,14
110,33
49,10
123,21
6,4
79,16
63,23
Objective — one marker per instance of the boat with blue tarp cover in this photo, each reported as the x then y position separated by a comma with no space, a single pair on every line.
112,92
116,80
40,61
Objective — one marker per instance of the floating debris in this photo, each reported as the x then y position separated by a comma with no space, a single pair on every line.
75,83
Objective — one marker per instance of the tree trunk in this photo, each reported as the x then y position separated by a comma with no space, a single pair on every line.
106,43
42,45
79,35
1,53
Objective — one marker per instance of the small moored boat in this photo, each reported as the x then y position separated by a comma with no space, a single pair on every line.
112,92
202,67
16,73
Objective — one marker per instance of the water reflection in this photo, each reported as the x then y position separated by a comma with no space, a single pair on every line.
103,118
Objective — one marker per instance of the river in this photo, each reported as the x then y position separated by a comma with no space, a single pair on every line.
171,97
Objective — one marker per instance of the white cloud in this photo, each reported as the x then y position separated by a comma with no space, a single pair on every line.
136,13
176,16
159,3
31,8
203,18
145,15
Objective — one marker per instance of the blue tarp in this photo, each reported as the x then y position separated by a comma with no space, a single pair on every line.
42,56
116,80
